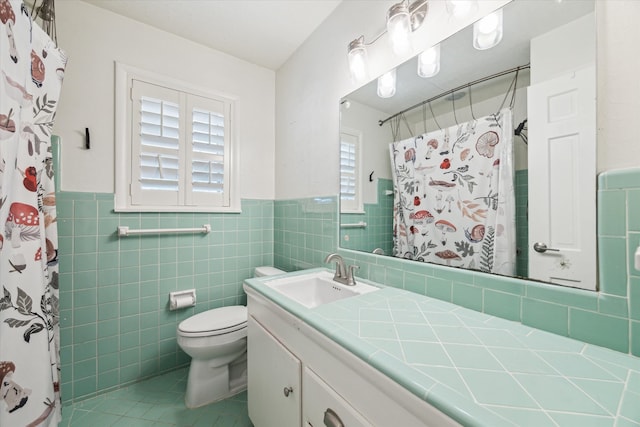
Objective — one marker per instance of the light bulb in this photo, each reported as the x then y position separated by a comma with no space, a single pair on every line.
487,32
429,62
488,24
387,84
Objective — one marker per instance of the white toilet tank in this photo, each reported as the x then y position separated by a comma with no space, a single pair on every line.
266,271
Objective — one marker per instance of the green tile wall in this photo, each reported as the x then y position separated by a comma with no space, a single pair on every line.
115,324
305,232
379,219
610,317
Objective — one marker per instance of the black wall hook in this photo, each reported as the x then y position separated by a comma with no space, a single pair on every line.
87,139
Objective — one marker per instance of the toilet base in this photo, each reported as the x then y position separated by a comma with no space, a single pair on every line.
206,385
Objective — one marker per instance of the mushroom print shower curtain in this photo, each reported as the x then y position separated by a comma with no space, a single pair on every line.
31,71
454,201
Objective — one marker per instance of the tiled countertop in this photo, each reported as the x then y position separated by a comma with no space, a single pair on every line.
479,369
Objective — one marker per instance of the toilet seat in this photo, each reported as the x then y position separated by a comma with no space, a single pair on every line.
219,321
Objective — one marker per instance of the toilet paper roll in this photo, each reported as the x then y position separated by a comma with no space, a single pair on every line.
181,301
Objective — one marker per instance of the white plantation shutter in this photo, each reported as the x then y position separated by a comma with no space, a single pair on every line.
208,154
347,170
180,153
350,193
156,161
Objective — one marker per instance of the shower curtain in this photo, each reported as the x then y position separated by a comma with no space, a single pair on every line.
454,200
31,72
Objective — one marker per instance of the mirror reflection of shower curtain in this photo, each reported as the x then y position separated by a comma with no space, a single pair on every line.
454,200
31,73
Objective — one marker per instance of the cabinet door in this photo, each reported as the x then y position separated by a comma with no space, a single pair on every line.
274,391
322,406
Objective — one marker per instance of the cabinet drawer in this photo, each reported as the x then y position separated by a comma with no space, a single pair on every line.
322,406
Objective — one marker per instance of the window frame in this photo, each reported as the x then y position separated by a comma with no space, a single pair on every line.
124,77
357,206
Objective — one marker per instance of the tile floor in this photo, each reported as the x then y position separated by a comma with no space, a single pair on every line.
156,402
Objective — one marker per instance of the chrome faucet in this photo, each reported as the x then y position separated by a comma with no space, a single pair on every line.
343,275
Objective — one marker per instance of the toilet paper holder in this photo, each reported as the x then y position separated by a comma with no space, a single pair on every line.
182,299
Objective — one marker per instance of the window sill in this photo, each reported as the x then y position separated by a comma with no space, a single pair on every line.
176,209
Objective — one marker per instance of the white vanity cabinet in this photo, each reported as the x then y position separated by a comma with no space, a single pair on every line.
281,391
275,381
329,385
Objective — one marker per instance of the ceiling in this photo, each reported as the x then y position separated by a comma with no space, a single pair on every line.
263,32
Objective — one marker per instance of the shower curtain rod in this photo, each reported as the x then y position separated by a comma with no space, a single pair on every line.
450,91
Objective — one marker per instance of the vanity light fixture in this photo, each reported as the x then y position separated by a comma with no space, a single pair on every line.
402,19
487,32
387,84
429,62
461,8
358,60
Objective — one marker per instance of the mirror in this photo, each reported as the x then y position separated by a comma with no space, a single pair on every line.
553,45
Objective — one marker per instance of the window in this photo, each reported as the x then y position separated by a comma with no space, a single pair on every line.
175,149
350,179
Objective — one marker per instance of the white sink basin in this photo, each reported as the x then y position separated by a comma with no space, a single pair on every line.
314,289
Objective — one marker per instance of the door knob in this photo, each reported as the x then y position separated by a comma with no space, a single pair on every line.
288,390
542,248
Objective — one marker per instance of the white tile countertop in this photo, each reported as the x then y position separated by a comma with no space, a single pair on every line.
475,367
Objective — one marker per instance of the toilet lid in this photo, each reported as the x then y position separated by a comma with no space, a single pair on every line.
216,321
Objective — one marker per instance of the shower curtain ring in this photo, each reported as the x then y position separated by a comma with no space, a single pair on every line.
453,101
473,116
434,116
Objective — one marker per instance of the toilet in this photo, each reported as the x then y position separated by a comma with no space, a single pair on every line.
216,340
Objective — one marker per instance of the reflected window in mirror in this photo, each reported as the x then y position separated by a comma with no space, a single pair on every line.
350,171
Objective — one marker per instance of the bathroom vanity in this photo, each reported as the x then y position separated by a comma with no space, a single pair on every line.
396,358
297,373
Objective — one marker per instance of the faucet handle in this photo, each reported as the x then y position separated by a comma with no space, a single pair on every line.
351,280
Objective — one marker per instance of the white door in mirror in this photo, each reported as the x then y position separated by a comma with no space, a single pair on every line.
562,170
